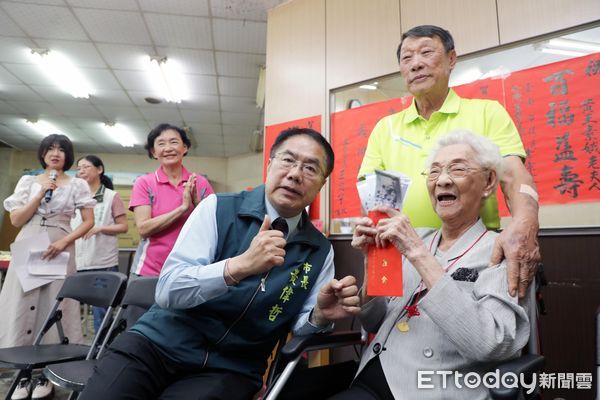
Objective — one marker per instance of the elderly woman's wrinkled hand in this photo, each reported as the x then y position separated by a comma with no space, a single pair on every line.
397,230
364,234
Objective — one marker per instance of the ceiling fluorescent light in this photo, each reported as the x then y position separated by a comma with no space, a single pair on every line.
63,72
42,127
368,87
167,78
572,44
561,52
260,88
120,134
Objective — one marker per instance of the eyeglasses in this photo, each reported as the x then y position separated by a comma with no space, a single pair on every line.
308,169
454,171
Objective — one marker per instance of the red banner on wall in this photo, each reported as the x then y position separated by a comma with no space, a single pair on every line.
556,108
271,133
350,130
489,89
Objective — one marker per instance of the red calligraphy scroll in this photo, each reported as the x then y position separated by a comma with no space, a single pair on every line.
271,133
556,108
350,130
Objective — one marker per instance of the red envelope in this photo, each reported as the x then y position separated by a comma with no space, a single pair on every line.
384,267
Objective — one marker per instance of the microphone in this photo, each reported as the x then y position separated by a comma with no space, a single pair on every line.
48,194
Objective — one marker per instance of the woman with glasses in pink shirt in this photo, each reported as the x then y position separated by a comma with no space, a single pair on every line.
163,200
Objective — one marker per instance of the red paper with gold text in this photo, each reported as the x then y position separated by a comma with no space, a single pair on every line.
384,267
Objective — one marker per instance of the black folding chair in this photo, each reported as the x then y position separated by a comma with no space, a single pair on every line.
73,375
100,289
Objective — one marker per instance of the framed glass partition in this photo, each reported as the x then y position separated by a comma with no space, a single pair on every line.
551,88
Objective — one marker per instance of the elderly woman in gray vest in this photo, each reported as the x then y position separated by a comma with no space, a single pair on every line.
456,315
98,250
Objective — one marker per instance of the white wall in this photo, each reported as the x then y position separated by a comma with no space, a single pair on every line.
244,171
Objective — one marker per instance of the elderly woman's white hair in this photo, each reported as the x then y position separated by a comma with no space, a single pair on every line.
487,153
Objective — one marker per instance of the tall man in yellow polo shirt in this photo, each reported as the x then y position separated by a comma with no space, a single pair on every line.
401,142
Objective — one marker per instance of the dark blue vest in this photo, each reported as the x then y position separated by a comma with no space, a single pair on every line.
238,330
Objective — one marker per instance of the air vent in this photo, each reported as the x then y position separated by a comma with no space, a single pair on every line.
152,100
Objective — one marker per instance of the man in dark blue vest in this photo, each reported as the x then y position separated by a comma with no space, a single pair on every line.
247,267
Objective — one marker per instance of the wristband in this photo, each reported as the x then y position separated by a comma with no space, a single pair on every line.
229,273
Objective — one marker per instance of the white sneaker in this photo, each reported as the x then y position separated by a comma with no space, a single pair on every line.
43,389
23,389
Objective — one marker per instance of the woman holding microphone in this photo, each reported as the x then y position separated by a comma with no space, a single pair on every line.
44,203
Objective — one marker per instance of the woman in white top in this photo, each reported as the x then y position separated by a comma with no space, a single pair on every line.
23,313
98,249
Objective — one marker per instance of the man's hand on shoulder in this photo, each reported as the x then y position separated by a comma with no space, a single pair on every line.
519,245
337,299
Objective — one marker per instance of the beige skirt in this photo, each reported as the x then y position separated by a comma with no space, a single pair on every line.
23,314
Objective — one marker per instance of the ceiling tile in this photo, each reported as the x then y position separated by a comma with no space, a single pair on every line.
239,104
34,109
237,139
15,50
201,84
8,27
243,9
178,31
114,26
239,64
191,115
54,94
6,108
233,118
208,140
78,110
50,2
125,5
41,21
119,113
126,57
236,130
81,54
28,73
134,80
18,93
7,78
166,115
242,36
233,149
200,102
209,150
238,86
180,7
31,74
101,78
21,142
206,129
191,61
113,97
